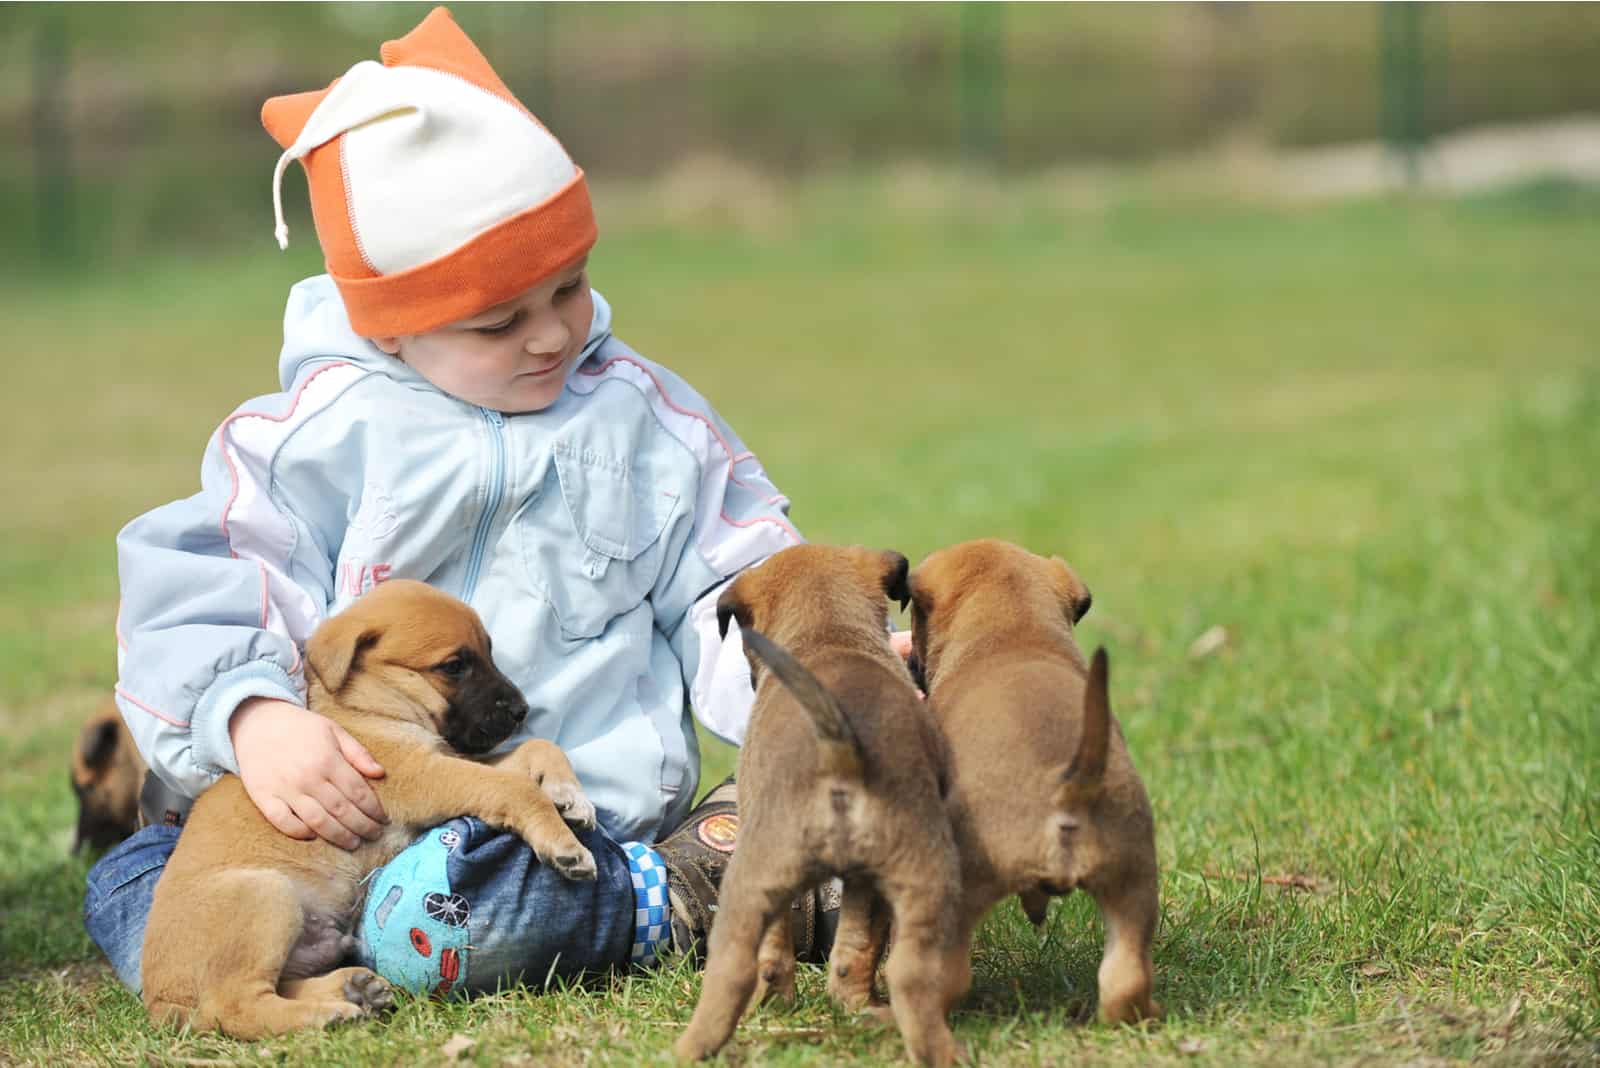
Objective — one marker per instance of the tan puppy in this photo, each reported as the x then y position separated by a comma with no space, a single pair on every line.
106,775
1043,795
246,921
840,775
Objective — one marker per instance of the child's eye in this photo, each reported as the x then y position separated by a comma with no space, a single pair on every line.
498,328
571,287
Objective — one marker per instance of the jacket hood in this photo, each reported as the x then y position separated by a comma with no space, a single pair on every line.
317,329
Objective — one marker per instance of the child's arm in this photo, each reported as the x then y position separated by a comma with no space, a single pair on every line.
740,519
219,593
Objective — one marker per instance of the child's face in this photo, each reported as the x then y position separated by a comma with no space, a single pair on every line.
513,357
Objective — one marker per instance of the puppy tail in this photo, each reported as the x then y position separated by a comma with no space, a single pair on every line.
1081,782
841,749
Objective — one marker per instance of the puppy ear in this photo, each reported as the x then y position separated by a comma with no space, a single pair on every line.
333,650
895,571
1075,596
98,743
918,593
731,605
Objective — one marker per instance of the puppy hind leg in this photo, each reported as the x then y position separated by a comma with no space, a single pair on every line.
361,987
1127,973
238,983
927,970
858,947
745,915
775,965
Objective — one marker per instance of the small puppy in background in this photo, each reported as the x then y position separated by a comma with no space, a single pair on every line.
107,772
1043,795
247,922
841,775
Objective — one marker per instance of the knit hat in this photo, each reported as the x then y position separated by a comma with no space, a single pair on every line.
435,193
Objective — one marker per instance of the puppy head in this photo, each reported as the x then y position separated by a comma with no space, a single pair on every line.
106,773
810,588
1013,582
411,652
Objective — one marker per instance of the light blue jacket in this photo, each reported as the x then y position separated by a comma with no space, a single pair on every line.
592,537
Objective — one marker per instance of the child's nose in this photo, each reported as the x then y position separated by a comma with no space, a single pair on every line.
546,334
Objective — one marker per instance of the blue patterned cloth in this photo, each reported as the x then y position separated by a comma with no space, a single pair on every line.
413,926
463,890
651,912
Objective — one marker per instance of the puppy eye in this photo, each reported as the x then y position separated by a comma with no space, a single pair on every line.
453,668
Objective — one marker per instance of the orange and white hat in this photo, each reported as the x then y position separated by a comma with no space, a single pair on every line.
435,193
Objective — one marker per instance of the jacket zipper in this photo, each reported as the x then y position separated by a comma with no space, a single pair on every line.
497,477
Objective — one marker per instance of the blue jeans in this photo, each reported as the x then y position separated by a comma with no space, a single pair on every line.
464,908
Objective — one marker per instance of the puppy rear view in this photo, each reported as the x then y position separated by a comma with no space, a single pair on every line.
1044,795
840,775
246,923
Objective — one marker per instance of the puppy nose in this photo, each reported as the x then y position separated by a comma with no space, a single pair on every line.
512,705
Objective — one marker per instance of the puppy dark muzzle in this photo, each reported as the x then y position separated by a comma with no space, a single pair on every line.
483,717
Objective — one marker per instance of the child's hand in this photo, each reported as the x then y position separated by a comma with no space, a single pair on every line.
304,773
900,642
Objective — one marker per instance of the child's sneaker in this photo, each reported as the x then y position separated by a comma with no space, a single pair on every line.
696,855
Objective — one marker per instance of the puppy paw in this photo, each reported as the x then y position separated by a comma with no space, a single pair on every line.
369,992
570,801
577,866
689,1048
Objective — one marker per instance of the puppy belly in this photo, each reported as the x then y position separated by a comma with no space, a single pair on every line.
324,943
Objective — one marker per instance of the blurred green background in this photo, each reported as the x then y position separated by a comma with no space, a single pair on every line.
1278,321
130,128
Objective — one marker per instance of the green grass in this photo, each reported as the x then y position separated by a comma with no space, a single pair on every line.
1362,439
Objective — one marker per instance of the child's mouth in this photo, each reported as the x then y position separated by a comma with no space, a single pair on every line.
540,372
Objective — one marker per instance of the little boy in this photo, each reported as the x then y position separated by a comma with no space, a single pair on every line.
455,409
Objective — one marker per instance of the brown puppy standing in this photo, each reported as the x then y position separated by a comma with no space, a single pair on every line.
246,921
841,775
1044,797
106,775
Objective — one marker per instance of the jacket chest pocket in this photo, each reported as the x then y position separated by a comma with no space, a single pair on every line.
591,539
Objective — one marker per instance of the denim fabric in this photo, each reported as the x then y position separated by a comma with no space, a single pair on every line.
522,921
483,895
121,887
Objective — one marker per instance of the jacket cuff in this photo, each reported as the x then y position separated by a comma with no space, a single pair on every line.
208,727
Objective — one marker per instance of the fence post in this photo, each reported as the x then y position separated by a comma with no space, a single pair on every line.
982,78
52,145
1403,83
